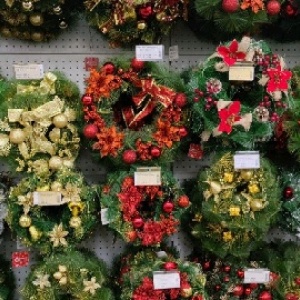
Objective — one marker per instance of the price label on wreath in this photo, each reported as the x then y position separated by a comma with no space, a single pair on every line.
104,216
149,52
246,160
241,72
47,198
163,280
147,176
256,276
29,71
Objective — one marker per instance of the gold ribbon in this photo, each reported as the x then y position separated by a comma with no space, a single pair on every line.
47,85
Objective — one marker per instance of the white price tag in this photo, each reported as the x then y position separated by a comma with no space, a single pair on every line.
256,276
241,73
147,176
149,52
173,52
246,160
163,280
104,216
161,254
47,198
29,71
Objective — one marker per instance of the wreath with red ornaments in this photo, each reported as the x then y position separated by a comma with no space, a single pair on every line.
143,214
138,271
126,23
134,112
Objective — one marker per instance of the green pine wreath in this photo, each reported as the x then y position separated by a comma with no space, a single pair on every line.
38,124
74,274
136,277
37,21
232,210
7,279
126,23
239,112
135,112
48,227
143,215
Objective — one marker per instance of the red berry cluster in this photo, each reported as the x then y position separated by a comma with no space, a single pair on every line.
208,98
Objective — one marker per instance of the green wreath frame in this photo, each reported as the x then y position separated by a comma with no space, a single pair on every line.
44,226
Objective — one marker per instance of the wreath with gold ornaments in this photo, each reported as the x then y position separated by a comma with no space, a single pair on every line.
51,213
137,277
233,209
134,112
76,274
38,124
143,214
126,23
239,94
36,21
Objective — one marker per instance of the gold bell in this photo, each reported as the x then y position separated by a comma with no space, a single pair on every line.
76,208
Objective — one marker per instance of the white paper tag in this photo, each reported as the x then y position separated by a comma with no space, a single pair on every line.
29,71
173,52
149,52
161,254
147,176
47,198
246,160
163,280
104,216
241,73
256,276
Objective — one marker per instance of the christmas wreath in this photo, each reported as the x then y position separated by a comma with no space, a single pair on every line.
7,280
134,112
225,279
74,274
36,20
126,23
234,208
38,124
219,19
137,274
52,212
239,93
143,214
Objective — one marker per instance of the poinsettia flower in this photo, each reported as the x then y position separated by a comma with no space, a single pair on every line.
231,54
228,116
278,79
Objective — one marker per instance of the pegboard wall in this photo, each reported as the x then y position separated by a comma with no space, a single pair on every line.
67,54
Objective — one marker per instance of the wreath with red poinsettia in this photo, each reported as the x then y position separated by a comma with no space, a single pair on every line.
137,272
143,215
134,112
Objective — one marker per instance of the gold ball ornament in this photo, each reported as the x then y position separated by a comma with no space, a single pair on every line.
57,10
58,275
63,280
63,25
62,268
75,222
27,5
17,136
25,221
34,233
56,186
36,19
55,163
186,291
60,121
141,25
5,32
37,36
68,163
256,205
246,175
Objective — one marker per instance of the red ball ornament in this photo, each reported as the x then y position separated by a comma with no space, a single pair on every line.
155,152
170,265
230,6
288,192
186,290
265,295
240,273
226,278
238,290
247,291
297,280
183,201
109,68
290,10
206,265
180,100
90,131
129,156
168,207
137,65
217,287
226,268
87,99
183,131
145,12
137,222
253,286
273,7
